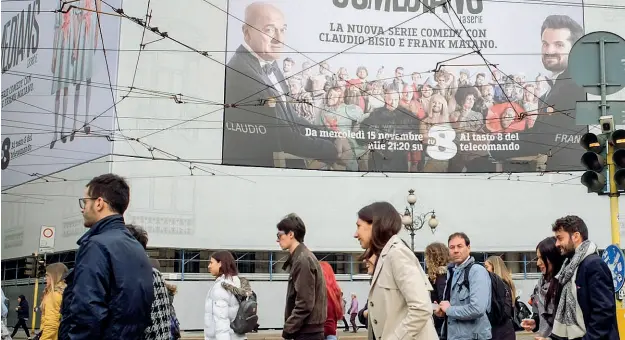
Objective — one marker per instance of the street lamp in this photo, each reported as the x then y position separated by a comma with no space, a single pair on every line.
414,223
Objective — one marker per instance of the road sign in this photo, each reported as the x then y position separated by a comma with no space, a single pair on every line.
588,112
46,239
614,258
586,67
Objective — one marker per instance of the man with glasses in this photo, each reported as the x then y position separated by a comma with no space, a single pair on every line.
254,131
109,292
306,301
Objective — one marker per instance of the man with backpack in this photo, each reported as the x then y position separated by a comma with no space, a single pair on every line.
465,307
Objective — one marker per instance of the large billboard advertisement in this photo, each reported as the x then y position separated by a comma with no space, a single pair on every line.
57,102
394,86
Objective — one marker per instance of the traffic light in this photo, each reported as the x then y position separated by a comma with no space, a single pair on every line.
594,160
30,266
618,142
41,268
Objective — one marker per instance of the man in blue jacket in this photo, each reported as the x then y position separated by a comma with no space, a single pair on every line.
109,292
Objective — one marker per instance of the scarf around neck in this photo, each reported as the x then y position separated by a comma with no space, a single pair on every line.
569,321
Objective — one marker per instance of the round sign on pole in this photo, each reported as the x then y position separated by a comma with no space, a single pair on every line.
585,61
48,232
614,258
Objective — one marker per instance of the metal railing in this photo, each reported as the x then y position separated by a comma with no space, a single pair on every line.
269,270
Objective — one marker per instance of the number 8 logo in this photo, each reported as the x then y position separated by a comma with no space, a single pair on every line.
444,147
6,155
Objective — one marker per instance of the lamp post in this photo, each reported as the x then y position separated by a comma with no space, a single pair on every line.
414,223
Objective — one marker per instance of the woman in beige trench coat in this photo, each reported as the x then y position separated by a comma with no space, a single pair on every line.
399,305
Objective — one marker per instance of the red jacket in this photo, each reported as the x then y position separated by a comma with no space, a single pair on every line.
329,328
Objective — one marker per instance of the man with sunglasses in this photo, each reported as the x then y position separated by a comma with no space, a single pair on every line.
109,292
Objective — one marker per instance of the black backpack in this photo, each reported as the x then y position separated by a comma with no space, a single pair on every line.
247,315
501,309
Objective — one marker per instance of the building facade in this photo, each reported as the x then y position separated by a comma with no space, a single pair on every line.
159,122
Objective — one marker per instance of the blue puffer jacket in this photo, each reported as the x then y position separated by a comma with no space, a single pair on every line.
109,292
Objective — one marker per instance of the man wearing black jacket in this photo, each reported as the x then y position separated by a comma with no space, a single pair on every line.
592,292
253,133
109,292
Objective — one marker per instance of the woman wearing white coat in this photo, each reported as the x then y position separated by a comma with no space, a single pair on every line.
221,306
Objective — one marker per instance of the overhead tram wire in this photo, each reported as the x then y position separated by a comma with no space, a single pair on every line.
163,94
478,51
107,4
430,8
167,36
351,47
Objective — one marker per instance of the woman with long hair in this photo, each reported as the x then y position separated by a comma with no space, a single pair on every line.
334,305
495,265
546,295
436,262
399,299
51,301
221,305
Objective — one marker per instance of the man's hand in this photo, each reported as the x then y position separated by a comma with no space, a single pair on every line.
439,312
444,305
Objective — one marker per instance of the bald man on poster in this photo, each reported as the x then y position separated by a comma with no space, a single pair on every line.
253,133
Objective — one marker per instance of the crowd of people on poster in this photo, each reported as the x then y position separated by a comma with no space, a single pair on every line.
293,112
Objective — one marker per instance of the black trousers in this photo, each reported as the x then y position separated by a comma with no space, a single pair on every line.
310,336
20,322
345,324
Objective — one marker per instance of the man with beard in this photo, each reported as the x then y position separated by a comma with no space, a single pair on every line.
109,291
389,119
553,139
587,306
253,134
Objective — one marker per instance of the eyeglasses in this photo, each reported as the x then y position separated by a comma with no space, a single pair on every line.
279,234
83,200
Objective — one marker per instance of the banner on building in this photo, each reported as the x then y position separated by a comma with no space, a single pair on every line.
57,102
392,86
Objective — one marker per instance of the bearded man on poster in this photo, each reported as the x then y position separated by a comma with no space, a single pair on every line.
253,134
552,144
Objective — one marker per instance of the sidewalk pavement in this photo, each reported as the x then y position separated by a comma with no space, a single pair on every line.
276,335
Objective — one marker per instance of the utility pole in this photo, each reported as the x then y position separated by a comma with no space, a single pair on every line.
605,156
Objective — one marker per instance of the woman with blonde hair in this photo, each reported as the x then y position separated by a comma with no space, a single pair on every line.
495,265
436,262
51,301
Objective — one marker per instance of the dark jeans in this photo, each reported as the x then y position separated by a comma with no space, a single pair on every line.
20,322
352,320
345,324
310,336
